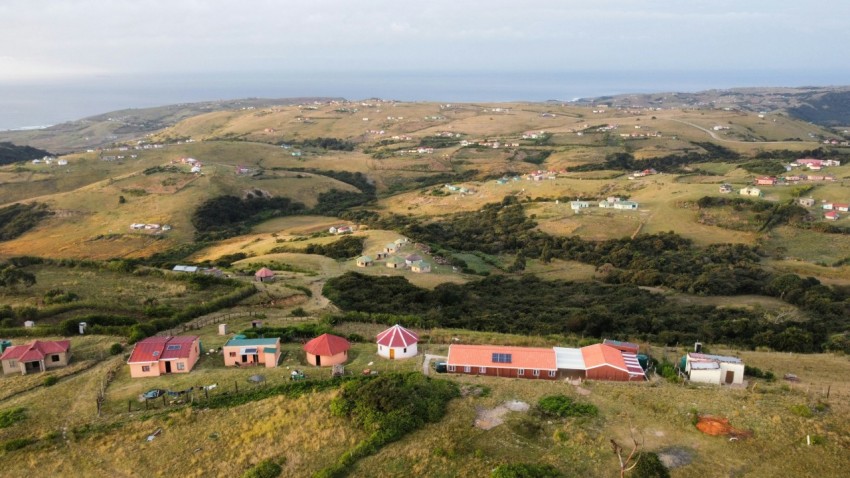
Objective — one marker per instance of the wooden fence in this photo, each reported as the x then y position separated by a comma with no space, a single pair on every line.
205,321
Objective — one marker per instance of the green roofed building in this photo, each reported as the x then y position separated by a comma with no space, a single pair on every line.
242,352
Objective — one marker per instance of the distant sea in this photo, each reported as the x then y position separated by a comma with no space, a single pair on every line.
41,104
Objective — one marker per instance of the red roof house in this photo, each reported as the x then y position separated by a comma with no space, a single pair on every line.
831,216
503,361
604,362
326,350
766,181
36,356
397,342
155,356
264,275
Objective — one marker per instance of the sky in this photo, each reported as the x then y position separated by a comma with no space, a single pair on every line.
55,40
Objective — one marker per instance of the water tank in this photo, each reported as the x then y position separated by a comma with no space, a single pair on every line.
83,326
683,362
4,344
643,360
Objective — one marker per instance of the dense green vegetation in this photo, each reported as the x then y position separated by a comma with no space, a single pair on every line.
767,168
356,179
562,406
264,469
11,416
332,144
438,142
531,306
344,248
17,219
669,163
334,202
227,216
10,153
388,407
525,470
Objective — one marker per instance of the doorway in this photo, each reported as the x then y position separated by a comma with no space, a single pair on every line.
730,376
392,353
318,360
167,367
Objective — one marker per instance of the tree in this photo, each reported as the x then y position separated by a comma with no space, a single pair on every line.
633,459
121,199
11,277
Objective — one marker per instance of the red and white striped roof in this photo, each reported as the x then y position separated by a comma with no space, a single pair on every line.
397,336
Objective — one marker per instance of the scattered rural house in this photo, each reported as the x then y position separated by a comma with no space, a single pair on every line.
843,207
831,216
391,248
62,162
716,369
828,206
326,350
396,262
628,205
576,205
341,229
750,191
189,269
240,351
503,361
401,241
605,362
364,261
807,202
264,275
36,356
725,188
397,343
155,356
380,255
420,267
410,259
766,181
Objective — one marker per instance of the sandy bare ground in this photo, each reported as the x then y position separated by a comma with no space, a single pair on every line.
488,418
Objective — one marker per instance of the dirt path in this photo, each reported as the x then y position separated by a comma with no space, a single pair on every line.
488,418
426,364
715,137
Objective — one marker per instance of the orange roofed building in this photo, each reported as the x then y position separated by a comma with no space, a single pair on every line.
326,350
604,362
155,356
503,361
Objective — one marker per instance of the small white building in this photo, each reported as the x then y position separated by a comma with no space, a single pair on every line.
628,205
750,191
576,205
715,369
397,343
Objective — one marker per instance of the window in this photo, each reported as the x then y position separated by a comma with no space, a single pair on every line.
12,363
181,366
521,372
405,350
535,372
552,373
155,353
482,369
501,358
173,347
146,368
451,368
467,369
232,354
54,358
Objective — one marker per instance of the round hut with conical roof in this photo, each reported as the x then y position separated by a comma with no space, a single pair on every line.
264,275
326,350
397,343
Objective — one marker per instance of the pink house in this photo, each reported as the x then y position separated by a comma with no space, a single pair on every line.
326,350
831,216
843,207
766,181
155,356
240,351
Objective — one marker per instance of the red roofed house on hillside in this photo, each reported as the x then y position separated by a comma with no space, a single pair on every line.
502,361
604,362
264,275
36,356
397,342
155,356
326,350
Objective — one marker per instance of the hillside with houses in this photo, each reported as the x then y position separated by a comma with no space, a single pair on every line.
332,287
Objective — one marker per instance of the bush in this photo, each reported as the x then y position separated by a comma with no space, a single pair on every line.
12,416
563,406
116,349
525,470
649,466
17,443
299,312
51,380
264,469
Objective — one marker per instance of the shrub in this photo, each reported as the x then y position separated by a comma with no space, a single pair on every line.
264,469
299,312
525,470
802,410
12,416
563,406
17,443
649,466
51,380
116,349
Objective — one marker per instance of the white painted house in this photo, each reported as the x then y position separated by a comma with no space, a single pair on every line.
397,343
716,369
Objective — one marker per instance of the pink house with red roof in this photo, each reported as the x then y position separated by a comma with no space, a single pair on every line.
36,356
397,343
155,356
326,350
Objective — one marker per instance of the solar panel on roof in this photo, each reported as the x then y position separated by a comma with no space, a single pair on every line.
173,347
502,358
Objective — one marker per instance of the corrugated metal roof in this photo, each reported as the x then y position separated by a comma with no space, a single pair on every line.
704,365
327,345
153,349
718,358
243,342
397,336
35,350
632,363
569,359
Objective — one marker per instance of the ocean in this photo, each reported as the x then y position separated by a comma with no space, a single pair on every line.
41,104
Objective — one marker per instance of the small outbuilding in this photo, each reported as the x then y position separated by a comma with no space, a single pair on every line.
397,343
240,351
420,267
395,262
264,275
391,248
327,350
364,261
716,369
410,259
